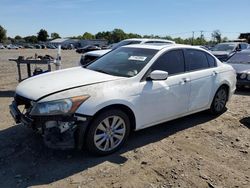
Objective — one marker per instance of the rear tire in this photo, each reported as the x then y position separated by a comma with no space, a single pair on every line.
108,132
218,105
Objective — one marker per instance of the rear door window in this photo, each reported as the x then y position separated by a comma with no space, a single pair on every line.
196,60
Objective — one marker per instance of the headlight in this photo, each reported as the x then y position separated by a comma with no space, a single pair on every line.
243,76
58,107
248,77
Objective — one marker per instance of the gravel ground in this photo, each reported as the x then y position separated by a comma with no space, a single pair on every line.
195,151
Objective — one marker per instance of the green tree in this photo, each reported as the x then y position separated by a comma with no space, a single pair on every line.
104,35
2,34
55,36
42,35
133,35
18,37
118,35
88,35
216,36
224,39
31,39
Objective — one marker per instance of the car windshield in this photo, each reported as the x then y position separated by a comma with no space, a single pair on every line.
224,47
124,61
241,57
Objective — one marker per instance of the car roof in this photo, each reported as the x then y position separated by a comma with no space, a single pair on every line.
149,39
233,43
163,46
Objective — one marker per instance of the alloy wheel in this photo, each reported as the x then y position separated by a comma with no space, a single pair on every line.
220,100
109,133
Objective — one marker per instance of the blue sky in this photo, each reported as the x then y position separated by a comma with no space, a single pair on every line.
160,17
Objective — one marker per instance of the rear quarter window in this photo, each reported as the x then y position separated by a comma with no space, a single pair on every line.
211,61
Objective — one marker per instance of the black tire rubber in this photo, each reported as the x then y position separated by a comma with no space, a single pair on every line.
213,110
89,140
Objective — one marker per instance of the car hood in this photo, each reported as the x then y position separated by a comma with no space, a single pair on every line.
220,53
98,53
240,67
48,83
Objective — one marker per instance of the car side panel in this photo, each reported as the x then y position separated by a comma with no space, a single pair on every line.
202,86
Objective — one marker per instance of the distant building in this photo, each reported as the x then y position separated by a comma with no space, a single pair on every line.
64,42
78,42
245,36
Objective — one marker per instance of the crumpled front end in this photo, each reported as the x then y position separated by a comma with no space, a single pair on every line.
58,131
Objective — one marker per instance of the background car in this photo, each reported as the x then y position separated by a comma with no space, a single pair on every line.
91,56
37,46
223,51
240,61
2,46
50,46
12,46
68,47
130,88
29,46
88,49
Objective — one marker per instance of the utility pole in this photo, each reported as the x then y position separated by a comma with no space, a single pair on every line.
202,36
192,38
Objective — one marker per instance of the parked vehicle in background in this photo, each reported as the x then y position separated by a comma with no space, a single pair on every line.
43,46
12,46
68,47
240,61
20,46
223,51
37,46
29,46
50,46
90,56
88,49
130,88
203,47
2,46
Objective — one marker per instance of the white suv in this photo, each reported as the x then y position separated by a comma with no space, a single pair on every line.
93,55
130,88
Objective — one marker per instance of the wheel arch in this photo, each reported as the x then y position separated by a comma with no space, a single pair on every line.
227,86
123,107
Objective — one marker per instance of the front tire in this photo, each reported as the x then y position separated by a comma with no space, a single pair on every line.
108,132
218,105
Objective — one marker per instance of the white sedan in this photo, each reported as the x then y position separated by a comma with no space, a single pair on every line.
130,88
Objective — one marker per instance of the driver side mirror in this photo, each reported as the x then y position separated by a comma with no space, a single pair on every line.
238,48
158,75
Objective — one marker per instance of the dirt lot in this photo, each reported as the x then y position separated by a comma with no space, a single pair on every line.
195,151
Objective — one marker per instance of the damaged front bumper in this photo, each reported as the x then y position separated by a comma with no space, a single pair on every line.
58,131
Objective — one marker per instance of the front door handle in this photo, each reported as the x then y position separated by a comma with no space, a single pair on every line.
184,81
214,73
